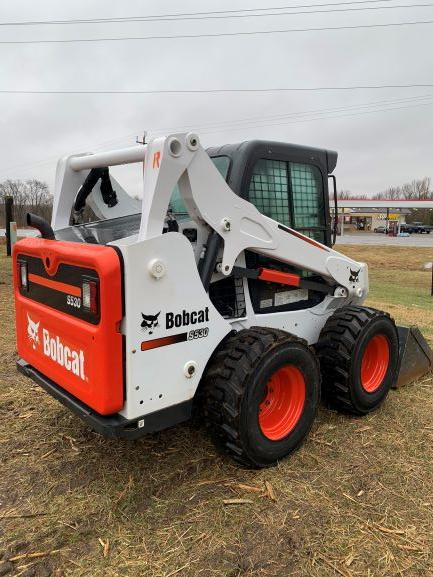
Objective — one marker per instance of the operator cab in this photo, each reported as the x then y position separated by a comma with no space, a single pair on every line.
288,183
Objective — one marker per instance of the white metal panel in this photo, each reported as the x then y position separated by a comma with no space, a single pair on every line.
159,373
66,186
305,323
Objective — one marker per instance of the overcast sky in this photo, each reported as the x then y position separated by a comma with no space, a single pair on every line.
376,149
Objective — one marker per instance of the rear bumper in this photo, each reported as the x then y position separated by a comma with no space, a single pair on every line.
114,425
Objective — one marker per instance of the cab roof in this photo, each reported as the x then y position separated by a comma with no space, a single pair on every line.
242,151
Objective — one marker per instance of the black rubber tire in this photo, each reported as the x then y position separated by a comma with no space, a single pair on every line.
340,350
234,385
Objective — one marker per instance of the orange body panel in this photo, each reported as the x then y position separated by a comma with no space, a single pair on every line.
84,358
60,286
279,277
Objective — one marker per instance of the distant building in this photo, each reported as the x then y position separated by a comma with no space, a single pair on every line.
368,214
370,218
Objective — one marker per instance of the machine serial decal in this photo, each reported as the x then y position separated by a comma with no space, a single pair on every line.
198,333
173,339
354,274
73,301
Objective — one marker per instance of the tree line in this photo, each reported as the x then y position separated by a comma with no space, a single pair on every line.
29,196
34,196
420,189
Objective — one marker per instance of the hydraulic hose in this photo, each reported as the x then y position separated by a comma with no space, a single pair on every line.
108,194
86,188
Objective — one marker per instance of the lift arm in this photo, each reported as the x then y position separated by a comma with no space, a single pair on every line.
180,159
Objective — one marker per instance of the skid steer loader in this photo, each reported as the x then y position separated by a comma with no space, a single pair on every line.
218,291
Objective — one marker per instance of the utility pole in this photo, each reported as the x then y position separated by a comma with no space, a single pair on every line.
9,201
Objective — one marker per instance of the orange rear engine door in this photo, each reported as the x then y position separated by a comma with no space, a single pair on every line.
79,348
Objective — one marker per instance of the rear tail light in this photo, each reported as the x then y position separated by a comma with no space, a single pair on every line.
89,292
24,279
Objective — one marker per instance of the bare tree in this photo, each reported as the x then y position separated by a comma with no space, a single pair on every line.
418,189
29,196
344,195
391,193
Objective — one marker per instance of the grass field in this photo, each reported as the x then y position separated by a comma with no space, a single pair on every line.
355,500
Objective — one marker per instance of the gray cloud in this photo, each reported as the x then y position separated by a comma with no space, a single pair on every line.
375,150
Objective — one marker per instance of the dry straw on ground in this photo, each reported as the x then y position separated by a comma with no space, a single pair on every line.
355,500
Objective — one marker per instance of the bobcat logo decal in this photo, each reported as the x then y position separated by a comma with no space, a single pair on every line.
354,274
149,322
33,331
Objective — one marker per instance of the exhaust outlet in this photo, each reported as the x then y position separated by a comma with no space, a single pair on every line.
41,225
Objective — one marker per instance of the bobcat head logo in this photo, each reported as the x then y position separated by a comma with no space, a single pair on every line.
33,331
149,322
354,274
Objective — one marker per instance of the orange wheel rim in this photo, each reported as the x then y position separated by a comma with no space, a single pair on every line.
375,363
283,403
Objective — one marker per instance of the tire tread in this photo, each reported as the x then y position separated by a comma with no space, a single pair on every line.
224,384
334,349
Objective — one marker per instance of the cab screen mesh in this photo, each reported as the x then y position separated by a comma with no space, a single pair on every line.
269,189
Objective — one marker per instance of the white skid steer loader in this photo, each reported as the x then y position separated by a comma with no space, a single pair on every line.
218,291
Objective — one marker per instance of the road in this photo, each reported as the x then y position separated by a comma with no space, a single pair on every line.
424,240
21,232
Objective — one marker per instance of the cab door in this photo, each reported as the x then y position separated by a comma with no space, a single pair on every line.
293,191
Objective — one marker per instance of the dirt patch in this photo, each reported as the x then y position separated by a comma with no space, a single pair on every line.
355,500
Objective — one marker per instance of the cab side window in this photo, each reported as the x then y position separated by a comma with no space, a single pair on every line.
307,196
269,189
290,193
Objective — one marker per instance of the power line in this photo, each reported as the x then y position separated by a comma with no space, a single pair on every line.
225,90
324,117
251,122
180,15
323,112
217,34
334,109
136,19
350,114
